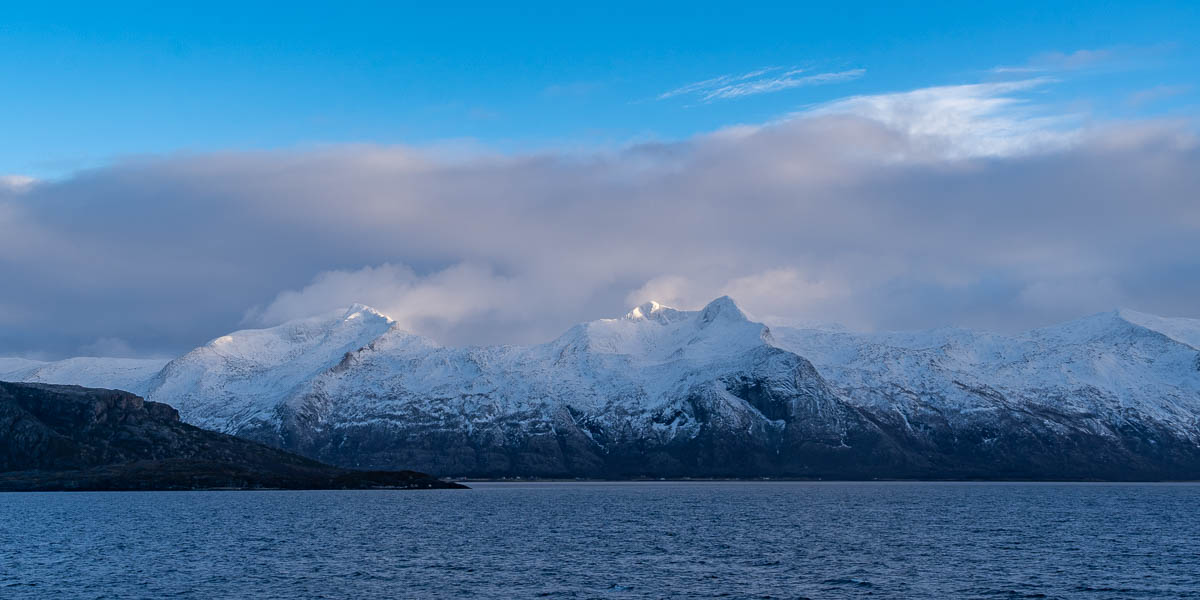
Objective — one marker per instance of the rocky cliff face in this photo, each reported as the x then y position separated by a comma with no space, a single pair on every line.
66,427
69,437
669,393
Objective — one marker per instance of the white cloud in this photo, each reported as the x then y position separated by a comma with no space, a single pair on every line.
1114,57
949,205
785,291
1159,92
421,304
771,292
759,81
716,82
1060,61
16,182
675,291
958,121
788,80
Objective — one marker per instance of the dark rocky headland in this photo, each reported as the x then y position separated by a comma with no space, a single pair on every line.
61,437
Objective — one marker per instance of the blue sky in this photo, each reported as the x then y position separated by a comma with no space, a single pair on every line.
89,83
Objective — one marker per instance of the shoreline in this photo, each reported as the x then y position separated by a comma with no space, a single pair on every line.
467,480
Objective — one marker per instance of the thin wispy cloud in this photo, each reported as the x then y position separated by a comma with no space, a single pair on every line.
1116,57
1160,92
760,81
791,79
716,82
1060,61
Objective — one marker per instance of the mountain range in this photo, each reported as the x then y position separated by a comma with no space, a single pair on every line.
662,392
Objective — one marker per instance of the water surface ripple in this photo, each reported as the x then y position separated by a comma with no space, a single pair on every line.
611,540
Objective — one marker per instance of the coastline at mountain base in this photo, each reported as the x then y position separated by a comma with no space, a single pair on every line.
63,438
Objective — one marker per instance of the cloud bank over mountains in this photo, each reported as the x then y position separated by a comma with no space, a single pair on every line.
966,205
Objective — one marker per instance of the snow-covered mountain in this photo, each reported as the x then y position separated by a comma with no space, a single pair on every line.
665,392
1112,367
237,381
129,374
354,389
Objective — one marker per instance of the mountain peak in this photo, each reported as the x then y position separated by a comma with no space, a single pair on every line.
1133,316
646,310
360,311
1180,329
1121,323
722,308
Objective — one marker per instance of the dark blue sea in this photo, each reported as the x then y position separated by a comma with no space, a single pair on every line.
611,540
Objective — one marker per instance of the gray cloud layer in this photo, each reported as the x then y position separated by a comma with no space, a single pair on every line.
854,216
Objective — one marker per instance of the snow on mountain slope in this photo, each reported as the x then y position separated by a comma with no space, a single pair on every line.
637,363
710,392
240,378
656,378
1119,366
129,374
652,333
12,368
1182,330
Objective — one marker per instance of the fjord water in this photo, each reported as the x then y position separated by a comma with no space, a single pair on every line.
611,540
